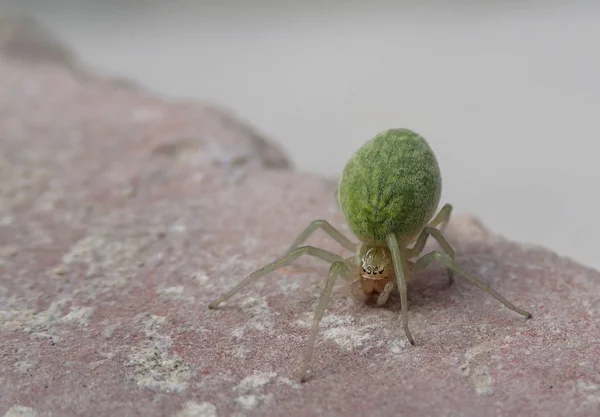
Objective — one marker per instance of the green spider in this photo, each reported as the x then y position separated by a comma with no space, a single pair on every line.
388,193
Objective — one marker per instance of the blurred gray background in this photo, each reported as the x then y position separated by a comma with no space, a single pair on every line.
507,92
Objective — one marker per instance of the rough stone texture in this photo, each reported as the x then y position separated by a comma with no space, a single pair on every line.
122,215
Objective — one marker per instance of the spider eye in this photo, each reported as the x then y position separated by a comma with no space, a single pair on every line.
369,269
375,270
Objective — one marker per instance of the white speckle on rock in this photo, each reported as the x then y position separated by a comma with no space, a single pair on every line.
289,382
194,409
248,401
175,293
151,323
200,277
342,331
260,316
153,365
109,330
80,315
256,382
31,321
238,332
23,367
252,389
397,346
178,228
240,352
587,387
157,369
477,350
110,261
171,291
20,411
250,242
482,379
474,351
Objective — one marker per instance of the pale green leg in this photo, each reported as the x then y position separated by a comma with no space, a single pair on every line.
401,270
329,229
443,217
449,262
337,268
441,240
287,259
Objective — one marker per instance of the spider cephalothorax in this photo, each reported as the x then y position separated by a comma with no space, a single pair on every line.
376,263
377,272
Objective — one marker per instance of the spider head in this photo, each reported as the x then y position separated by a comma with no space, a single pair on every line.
376,263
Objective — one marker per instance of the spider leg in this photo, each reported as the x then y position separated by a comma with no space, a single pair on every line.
443,217
287,259
437,235
329,229
427,259
336,269
401,270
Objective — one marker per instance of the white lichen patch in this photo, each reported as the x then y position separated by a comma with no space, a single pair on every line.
256,382
482,380
23,367
473,352
112,260
343,331
261,317
79,315
109,330
154,366
251,390
397,346
21,411
240,352
223,378
194,409
200,277
590,390
176,292
32,321
587,386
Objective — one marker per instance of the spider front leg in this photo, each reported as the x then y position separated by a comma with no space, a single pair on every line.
336,269
437,235
401,271
329,229
287,259
427,259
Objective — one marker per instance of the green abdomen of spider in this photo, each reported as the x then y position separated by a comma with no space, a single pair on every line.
392,184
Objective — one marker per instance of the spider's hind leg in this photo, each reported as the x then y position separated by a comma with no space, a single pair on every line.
437,235
442,218
327,228
427,259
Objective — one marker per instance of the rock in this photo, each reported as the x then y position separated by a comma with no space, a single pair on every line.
122,215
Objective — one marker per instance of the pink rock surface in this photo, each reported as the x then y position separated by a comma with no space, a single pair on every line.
122,215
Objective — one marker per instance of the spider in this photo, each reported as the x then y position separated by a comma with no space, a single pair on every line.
388,193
